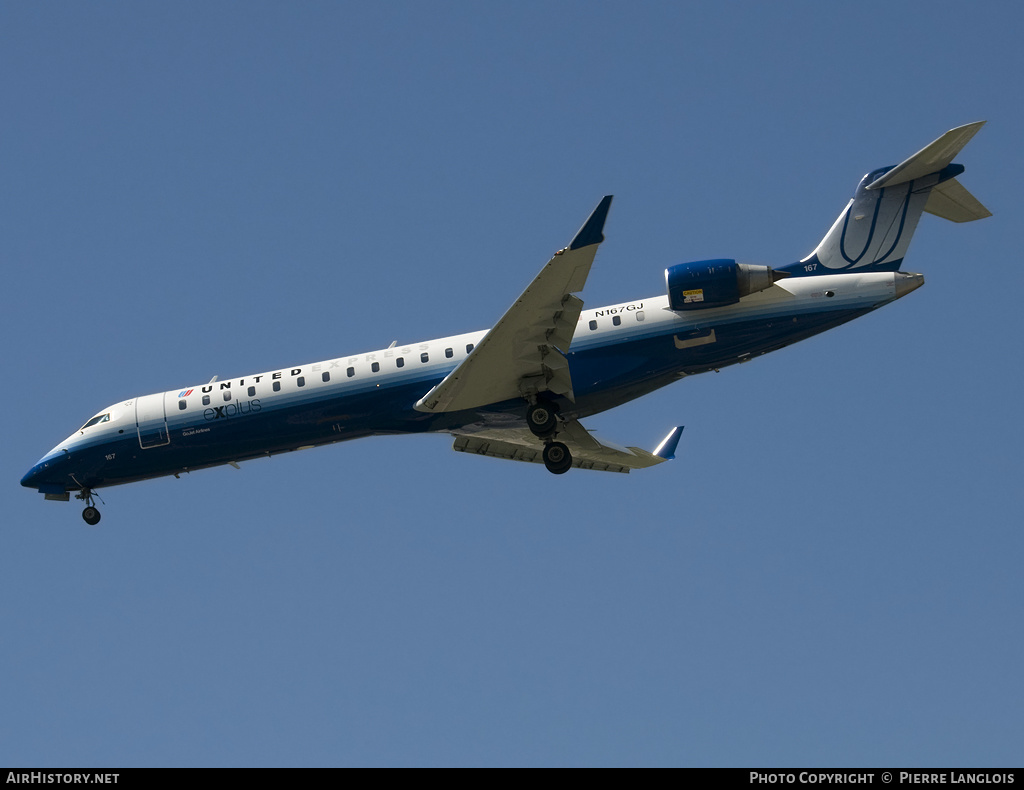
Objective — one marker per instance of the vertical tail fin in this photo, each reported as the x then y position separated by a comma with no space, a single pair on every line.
874,230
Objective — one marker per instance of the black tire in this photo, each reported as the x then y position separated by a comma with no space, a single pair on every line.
91,516
557,458
541,419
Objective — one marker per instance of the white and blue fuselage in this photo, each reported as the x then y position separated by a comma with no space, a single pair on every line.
618,353
519,390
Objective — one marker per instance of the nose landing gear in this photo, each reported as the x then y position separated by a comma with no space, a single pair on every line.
91,514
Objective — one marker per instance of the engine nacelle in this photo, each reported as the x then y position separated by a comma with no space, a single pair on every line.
717,283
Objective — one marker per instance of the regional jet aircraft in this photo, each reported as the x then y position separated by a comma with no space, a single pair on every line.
519,390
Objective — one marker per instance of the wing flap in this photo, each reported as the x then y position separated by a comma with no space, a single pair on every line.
561,333
496,448
588,451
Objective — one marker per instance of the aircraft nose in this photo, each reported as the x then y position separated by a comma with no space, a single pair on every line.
46,475
33,477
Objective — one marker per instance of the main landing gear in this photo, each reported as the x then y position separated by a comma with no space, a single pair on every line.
557,458
91,514
541,417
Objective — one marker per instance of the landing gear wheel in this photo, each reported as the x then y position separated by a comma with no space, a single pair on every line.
541,419
557,458
91,516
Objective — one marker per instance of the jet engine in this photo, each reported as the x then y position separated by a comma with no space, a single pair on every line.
716,283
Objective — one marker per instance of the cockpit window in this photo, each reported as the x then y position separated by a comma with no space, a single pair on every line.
98,418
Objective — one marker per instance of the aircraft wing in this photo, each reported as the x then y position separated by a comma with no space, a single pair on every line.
588,452
524,353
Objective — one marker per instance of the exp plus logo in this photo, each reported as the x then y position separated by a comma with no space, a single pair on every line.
229,410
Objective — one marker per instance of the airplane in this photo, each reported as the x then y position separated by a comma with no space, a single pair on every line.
519,390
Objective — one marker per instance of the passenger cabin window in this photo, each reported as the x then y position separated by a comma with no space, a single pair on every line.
251,391
227,394
593,325
400,362
375,367
97,419
449,353
616,320
350,372
206,400
301,381
639,315
469,347
182,405
326,377
424,357
277,386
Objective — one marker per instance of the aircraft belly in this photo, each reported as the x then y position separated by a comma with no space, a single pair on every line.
607,376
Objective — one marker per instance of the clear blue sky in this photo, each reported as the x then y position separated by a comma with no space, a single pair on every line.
828,574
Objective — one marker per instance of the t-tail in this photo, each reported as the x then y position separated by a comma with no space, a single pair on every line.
874,230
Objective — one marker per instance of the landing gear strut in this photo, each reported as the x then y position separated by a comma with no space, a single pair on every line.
542,419
557,458
91,514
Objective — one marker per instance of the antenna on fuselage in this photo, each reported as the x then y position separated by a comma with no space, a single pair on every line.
212,380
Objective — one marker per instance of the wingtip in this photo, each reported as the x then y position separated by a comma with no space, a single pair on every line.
592,231
667,448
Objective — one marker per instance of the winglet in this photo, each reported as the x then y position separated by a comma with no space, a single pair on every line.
591,232
667,448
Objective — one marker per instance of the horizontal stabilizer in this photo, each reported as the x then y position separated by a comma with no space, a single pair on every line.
933,158
951,200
